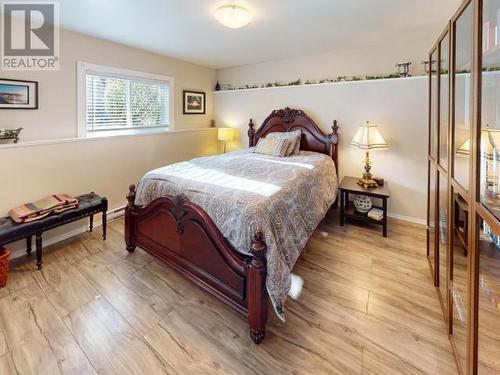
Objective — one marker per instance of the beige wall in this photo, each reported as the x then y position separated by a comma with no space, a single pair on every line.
398,106
104,165
56,116
32,170
363,61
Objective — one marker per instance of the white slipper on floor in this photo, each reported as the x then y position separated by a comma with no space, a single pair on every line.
296,286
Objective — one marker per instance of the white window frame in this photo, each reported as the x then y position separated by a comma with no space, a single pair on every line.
83,68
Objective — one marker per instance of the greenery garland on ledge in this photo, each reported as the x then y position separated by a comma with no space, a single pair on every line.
299,82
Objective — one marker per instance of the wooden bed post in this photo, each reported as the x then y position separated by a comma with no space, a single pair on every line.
334,139
251,133
129,220
256,289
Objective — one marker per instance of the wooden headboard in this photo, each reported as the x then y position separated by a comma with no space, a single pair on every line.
288,119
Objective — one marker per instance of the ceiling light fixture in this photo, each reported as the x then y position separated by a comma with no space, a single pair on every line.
233,16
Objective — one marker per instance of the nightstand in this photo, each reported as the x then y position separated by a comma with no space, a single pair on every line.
349,185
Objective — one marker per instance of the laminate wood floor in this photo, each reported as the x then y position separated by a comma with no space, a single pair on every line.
368,307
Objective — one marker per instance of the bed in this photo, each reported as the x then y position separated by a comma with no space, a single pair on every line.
235,224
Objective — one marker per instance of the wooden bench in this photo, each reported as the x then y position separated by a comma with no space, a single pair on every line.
88,206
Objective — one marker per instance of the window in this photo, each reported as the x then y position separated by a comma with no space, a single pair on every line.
117,101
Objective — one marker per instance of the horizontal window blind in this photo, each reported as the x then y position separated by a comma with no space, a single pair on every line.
116,102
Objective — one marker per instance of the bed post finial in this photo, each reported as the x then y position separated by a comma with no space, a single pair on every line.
251,133
131,195
256,289
258,249
334,137
129,219
335,127
334,147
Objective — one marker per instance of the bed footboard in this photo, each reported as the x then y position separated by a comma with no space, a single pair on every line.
181,234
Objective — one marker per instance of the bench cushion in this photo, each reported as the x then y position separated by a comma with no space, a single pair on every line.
10,231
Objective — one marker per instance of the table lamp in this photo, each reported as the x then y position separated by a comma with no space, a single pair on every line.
225,135
490,166
489,140
464,150
368,138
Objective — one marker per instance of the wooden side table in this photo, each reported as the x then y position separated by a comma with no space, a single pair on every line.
349,185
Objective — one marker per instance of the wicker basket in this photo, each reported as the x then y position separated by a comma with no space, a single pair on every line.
4,266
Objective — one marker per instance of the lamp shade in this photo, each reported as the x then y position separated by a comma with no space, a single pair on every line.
368,137
225,134
464,149
490,140
492,146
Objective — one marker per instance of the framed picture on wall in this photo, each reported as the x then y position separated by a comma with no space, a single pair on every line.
194,103
16,94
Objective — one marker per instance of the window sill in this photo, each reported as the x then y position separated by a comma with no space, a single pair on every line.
127,132
42,142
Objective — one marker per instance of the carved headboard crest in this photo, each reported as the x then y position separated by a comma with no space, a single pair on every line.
288,114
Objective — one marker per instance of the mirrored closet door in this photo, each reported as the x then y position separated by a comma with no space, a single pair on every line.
464,182
488,236
462,28
432,197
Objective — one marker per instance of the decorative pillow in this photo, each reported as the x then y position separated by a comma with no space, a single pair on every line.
296,150
293,138
272,146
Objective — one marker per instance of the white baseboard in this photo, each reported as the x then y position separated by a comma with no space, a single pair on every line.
112,214
407,218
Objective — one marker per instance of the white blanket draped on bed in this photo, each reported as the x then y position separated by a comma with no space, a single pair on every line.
242,192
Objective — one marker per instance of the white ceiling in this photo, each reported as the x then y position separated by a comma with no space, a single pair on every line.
186,29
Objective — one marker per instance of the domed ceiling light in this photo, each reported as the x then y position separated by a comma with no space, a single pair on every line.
233,16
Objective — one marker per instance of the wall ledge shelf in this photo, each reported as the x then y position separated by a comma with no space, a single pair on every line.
44,142
360,81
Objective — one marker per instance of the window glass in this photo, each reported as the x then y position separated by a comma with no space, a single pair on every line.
489,301
115,103
489,157
444,100
432,216
463,87
433,109
459,282
443,236
490,109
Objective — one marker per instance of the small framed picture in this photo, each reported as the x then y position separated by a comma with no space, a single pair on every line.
194,103
16,94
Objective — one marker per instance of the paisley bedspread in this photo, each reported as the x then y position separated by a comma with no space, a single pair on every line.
242,192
